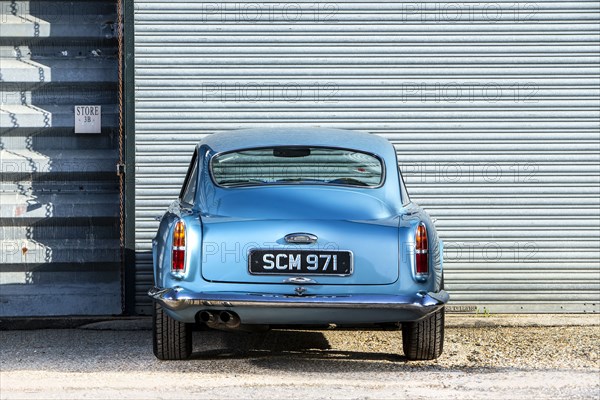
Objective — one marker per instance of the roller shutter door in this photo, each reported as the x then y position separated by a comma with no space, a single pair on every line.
59,193
493,109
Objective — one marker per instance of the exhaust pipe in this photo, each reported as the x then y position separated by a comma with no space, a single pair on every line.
231,320
209,318
226,320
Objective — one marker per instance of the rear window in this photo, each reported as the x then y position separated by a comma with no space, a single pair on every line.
297,165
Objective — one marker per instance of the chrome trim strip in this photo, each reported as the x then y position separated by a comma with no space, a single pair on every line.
178,299
300,280
179,274
421,277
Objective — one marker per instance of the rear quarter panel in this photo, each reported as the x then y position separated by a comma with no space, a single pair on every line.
409,220
161,244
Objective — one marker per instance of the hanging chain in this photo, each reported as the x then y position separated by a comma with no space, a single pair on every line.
121,165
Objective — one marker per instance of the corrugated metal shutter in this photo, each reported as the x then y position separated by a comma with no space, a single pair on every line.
493,108
59,202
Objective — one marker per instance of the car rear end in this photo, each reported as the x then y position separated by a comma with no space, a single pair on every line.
305,247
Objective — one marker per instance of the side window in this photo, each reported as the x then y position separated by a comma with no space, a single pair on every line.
188,192
403,191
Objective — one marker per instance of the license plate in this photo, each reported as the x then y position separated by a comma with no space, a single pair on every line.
300,262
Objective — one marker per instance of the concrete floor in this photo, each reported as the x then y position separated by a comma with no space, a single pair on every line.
500,360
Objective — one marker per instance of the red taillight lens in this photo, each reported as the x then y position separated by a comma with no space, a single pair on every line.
178,260
421,256
178,255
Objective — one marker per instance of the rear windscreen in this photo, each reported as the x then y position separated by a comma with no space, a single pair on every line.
297,165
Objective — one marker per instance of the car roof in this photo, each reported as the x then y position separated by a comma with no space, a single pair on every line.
317,137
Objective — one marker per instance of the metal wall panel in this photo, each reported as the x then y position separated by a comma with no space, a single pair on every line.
493,108
59,202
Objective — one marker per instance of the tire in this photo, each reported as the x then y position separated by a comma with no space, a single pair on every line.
171,339
424,339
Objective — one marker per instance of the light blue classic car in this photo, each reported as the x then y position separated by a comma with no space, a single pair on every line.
296,228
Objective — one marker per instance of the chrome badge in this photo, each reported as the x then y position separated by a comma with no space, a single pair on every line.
301,238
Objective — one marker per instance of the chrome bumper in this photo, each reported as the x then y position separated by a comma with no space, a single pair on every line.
177,298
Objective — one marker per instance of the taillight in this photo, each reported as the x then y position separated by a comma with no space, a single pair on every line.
178,255
421,252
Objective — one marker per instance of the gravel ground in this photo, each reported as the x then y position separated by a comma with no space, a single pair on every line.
555,362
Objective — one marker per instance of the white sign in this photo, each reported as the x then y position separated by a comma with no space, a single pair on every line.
88,119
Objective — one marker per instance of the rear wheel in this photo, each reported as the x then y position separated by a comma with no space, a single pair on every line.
424,339
171,339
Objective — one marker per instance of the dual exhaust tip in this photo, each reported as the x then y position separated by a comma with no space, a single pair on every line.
217,319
